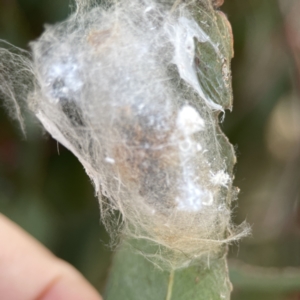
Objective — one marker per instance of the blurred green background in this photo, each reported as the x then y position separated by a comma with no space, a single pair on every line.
45,190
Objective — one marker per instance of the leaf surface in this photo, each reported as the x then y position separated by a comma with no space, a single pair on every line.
132,277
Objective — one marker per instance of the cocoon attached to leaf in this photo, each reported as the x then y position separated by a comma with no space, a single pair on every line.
126,90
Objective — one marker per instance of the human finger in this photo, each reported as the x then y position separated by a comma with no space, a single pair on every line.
28,271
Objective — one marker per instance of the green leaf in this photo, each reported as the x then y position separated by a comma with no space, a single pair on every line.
134,278
214,57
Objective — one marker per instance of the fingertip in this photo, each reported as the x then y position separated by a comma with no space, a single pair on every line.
69,285
30,271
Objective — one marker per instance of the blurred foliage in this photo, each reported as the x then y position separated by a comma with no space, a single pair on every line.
45,190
